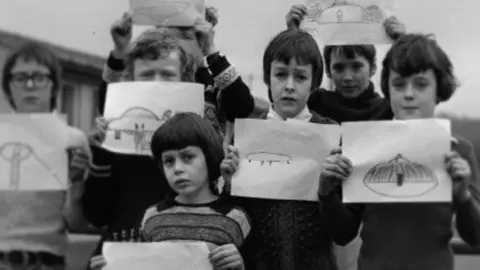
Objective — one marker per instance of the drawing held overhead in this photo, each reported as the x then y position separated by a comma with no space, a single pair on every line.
167,12
342,22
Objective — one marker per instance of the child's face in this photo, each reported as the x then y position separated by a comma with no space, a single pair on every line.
164,69
290,86
186,171
31,87
350,76
413,97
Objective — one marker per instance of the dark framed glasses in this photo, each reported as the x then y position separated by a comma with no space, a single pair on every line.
39,80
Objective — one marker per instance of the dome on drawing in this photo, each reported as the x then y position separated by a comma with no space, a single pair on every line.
343,12
139,112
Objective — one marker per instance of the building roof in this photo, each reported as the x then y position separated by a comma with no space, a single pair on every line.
70,58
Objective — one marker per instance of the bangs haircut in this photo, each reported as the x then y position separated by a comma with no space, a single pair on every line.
293,44
158,43
40,54
350,51
189,129
417,53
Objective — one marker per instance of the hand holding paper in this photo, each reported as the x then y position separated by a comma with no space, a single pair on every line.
336,170
461,174
226,257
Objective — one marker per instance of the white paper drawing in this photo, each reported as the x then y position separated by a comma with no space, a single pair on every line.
168,255
281,160
134,110
343,22
33,152
167,12
397,161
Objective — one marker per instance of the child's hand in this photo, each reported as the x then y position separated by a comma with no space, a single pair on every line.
335,171
226,257
461,174
230,163
99,133
295,16
121,32
394,27
98,262
205,37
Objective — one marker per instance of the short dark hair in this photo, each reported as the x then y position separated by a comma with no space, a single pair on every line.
416,53
159,42
349,51
293,43
189,129
42,55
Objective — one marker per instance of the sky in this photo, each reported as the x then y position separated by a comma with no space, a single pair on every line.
246,26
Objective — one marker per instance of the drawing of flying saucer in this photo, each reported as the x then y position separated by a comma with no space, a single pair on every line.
140,115
267,157
157,12
400,178
343,12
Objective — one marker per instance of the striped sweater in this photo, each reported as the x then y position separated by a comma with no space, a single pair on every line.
217,223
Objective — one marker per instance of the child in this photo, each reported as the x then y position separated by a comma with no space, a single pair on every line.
417,75
189,153
37,238
290,234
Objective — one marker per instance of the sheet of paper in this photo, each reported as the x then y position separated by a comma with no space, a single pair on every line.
167,12
342,22
33,152
168,255
397,161
281,160
134,110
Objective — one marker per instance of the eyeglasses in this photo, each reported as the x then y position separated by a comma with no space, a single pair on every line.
39,80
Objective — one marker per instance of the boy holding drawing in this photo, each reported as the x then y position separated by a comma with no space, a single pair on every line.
34,222
417,75
351,68
226,95
189,153
290,234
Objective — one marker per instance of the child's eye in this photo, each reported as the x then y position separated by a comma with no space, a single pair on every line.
187,157
281,75
168,162
357,67
301,77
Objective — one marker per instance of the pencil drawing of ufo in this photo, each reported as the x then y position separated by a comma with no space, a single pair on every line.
165,9
400,177
268,157
140,116
343,12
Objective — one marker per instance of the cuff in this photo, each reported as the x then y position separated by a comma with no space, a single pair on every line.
113,70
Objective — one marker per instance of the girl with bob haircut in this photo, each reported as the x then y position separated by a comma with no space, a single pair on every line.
34,223
290,234
417,75
188,151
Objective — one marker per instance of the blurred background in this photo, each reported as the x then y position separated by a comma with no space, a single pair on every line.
78,31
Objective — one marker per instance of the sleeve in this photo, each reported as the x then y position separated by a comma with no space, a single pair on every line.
113,71
342,220
234,96
151,211
468,213
99,199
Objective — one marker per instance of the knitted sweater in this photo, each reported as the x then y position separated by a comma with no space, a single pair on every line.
367,106
217,223
407,236
289,235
